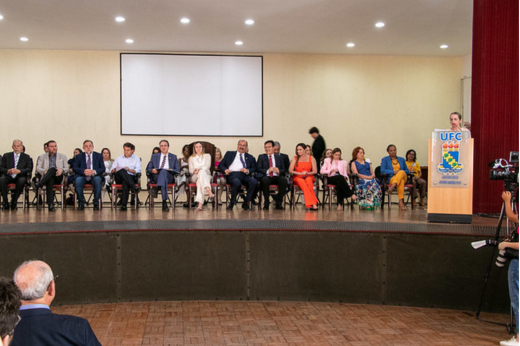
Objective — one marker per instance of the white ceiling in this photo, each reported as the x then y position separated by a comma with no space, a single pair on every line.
413,27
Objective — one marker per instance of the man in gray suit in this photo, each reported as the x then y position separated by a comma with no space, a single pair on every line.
51,167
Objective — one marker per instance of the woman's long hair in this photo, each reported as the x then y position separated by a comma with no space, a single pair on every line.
303,145
203,149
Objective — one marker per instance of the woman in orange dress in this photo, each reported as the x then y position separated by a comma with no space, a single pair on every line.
303,168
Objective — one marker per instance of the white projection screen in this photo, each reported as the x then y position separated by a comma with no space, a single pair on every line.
191,95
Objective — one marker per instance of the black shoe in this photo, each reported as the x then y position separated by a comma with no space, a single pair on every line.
51,207
185,205
5,206
81,206
153,193
279,207
123,208
266,207
165,206
230,206
13,206
245,206
96,206
253,202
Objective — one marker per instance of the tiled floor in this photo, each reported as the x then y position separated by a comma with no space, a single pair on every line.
284,323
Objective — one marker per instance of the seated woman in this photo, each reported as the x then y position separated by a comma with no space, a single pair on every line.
368,189
199,165
180,179
336,171
71,177
327,154
156,150
419,183
397,171
219,177
107,161
303,168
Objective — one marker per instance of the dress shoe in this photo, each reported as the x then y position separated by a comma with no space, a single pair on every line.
81,206
51,207
230,206
245,206
13,206
5,206
279,207
266,207
165,206
123,208
96,206
253,202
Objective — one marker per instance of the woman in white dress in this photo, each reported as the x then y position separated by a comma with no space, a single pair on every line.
199,165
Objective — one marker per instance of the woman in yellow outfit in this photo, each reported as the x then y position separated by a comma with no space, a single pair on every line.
397,171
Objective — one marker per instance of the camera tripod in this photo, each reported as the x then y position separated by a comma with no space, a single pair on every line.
511,188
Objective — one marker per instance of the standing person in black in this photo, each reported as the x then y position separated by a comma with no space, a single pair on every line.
14,168
318,146
270,170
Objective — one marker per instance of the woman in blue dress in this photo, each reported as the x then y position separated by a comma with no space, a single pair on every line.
368,190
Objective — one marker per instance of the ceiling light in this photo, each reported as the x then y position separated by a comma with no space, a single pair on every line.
350,44
24,39
120,19
444,46
129,40
239,43
185,20
250,22
1,17
380,24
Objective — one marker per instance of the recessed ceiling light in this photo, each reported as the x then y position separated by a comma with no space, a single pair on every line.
444,46
129,40
250,22
350,44
1,17
239,43
380,24
120,19
24,39
185,20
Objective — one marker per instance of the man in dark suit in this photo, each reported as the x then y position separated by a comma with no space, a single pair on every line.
89,168
9,309
39,326
318,146
162,168
270,170
285,158
238,166
14,168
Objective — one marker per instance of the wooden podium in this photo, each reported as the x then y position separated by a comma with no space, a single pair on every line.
450,177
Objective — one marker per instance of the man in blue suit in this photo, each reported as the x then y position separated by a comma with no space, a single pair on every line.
89,168
39,326
162,168
238,166
270,170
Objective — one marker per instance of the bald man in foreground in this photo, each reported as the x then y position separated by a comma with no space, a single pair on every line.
39,326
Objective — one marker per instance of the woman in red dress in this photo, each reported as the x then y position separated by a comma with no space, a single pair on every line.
303,169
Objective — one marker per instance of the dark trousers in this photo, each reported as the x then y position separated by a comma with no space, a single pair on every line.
282,188
20,180
162,179
236,180
127,181
342,188
49,180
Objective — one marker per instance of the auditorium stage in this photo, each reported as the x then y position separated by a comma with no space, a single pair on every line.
385,257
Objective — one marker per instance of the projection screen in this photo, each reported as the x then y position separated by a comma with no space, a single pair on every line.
191,95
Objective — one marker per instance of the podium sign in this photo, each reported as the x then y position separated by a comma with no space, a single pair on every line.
451,157
450,177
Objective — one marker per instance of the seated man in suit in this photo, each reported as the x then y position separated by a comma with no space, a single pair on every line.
9,309
238,166
88,168
270,170
126,167
39,326
51,167
14,168
162,168
285,158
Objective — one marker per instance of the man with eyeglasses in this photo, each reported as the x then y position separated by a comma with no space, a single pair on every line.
39,326
9,309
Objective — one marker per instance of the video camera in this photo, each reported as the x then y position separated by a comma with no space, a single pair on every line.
506,171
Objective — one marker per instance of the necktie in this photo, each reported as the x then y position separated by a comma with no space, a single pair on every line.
242,160
271,165
163,162
89,163
16,158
